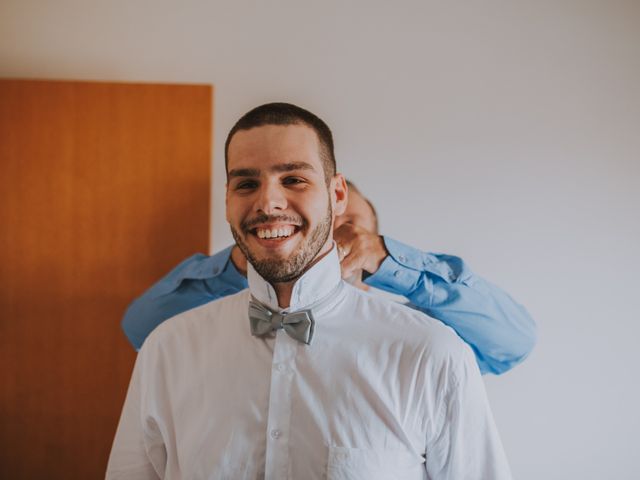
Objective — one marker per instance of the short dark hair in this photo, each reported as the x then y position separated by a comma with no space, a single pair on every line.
287,114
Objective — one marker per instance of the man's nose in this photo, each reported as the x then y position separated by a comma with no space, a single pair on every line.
271,199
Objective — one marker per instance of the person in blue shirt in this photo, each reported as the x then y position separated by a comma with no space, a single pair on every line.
500,332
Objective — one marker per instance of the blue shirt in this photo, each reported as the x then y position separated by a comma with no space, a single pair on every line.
498,329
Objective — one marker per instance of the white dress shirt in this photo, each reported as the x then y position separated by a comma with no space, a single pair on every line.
382,392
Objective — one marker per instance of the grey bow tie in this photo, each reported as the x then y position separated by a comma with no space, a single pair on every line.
298,325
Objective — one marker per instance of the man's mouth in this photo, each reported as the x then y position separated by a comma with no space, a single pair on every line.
272,235
275,232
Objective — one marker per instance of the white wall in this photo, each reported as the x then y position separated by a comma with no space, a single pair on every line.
507,132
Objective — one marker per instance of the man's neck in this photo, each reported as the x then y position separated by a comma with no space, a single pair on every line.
283,292
285,289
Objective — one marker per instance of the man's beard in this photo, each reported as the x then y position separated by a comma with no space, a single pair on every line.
282,270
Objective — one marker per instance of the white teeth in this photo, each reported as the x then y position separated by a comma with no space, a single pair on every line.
274,233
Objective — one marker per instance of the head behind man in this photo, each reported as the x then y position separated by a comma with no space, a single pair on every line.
283,192
359,212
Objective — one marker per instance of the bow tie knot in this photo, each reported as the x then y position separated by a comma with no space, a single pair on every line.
298,325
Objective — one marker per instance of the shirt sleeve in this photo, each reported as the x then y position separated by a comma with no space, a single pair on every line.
465,443
138,451
500,331
197,280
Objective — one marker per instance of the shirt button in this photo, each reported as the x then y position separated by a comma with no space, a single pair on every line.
402,258
396,273
281,368
275,434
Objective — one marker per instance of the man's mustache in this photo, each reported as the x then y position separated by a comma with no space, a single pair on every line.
264,218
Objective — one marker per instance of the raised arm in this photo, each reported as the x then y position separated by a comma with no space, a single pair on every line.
500,331
197,280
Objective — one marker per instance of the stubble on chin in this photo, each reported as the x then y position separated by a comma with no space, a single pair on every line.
285,270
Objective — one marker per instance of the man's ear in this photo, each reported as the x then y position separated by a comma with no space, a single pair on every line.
339,194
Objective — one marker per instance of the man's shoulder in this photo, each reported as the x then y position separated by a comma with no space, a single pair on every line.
200,322
390,311
394,321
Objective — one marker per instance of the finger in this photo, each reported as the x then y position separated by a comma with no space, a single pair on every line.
351,263
343,251
344,234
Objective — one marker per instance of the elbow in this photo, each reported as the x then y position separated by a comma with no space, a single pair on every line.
129,326
516,348
528,338
520,347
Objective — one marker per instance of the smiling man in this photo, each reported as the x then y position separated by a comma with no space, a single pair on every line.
301,376
279,205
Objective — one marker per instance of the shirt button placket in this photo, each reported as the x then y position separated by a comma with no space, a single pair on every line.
277,465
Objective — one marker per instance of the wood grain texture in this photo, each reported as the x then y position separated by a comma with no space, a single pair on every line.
105,187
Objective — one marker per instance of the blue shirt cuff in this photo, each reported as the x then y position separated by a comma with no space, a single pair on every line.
401,270
394,277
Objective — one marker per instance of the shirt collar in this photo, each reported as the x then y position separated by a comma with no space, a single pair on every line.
315,284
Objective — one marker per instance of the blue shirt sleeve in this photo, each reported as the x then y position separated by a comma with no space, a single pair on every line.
499,330
197,280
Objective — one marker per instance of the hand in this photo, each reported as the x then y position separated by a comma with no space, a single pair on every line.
358,249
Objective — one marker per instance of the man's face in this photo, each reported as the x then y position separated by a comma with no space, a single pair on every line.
279,207
358,213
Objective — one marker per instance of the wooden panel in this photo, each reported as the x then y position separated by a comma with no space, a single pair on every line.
104,188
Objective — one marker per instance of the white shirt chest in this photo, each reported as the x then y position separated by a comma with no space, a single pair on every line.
275,408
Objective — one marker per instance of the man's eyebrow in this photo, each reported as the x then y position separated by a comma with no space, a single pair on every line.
289,167
281,167
244,172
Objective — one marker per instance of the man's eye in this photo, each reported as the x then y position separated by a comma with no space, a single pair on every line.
292,181
246,185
